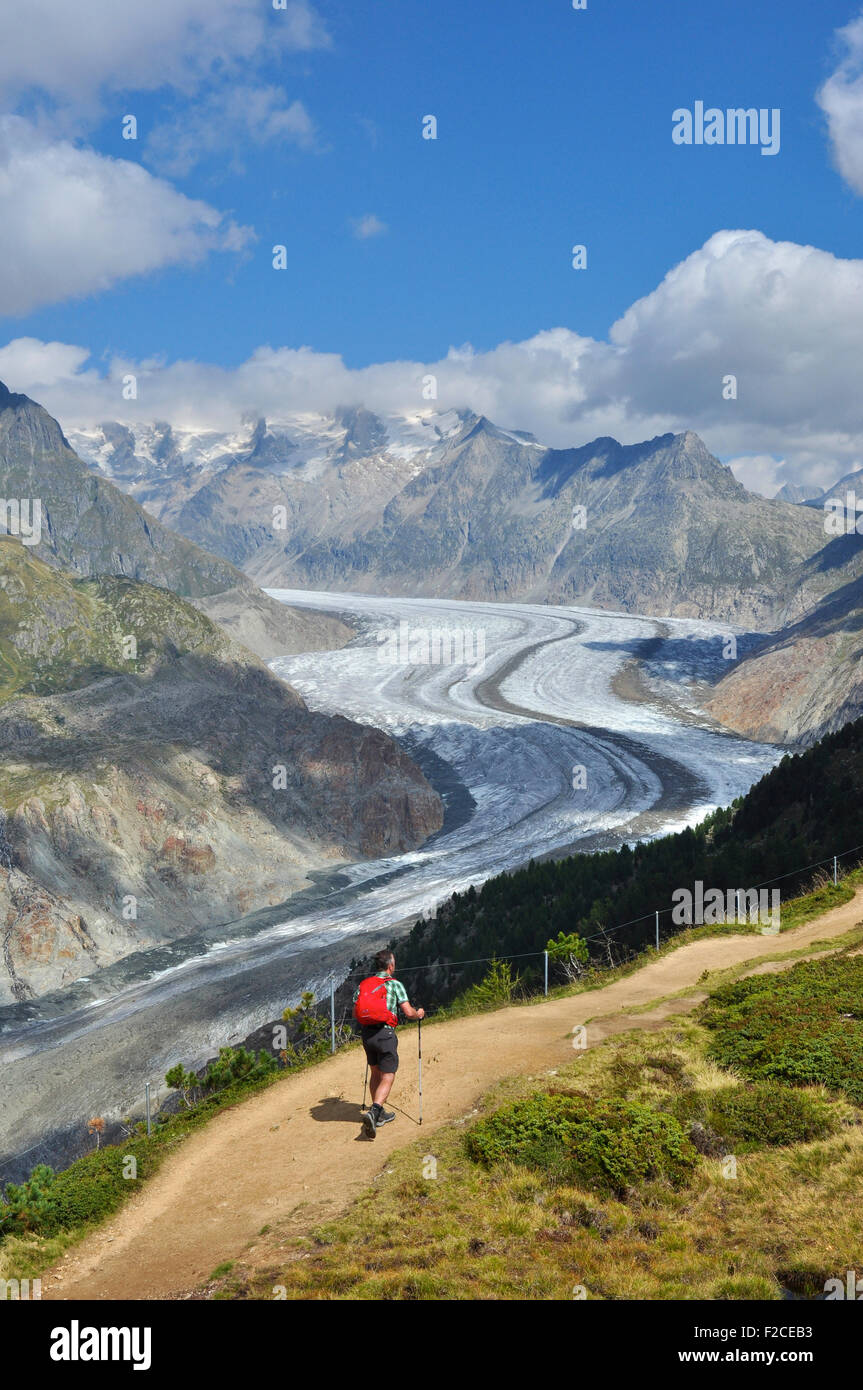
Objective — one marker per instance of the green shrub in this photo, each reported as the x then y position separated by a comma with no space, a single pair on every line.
236,1064
93,1187
761,1116
232,1064
804,1027
608,1144
312,1032
498,988
570,953
26,1206
186,1082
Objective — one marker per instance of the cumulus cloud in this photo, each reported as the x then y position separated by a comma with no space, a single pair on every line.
364,228
75,221
77,51
782,319
841,100
761,473
44,364
226,121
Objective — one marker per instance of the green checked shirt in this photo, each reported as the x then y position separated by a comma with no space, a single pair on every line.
396,992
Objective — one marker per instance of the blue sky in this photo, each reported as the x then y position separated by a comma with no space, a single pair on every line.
554,129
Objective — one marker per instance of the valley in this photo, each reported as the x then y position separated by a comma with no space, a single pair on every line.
506,778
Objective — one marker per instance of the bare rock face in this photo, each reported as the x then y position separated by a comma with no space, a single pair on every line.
802,682
146,795
91,527
271,629
453,506
41,938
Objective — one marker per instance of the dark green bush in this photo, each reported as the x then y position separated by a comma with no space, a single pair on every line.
92,1188
804,1027
311,1032
26,1206
607,1144
497,989
236,1064
232,1064
761,1116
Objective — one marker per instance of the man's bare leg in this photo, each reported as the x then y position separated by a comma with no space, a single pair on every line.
384,1085
374,1082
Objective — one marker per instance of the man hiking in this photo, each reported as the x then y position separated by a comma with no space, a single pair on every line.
376,1009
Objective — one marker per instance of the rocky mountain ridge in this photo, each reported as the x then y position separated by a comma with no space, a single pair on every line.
156,777
88,525
452,505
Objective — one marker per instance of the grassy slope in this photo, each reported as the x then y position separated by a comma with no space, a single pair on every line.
58,632
94,1186
450,1229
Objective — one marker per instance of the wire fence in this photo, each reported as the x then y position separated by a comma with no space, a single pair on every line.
604,933
342,1032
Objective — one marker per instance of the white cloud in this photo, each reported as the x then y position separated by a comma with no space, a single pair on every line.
43,364
761,473
224,122
369,226
78,50
75,221
784,319
841,100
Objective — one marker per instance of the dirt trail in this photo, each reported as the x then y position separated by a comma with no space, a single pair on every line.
294,1155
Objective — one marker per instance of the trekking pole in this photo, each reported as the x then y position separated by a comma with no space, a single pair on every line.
420,1062
365,1082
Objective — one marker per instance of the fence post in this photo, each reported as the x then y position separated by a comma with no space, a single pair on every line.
835,872
545,954
657,929
332,1016
147,1103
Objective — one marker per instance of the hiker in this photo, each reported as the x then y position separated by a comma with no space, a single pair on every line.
376,1009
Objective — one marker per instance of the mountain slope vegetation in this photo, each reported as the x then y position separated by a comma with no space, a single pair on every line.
157,777
806,809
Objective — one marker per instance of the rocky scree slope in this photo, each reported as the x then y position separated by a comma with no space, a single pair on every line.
146,781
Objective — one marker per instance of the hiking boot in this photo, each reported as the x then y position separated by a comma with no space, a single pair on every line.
384,1117
369,1124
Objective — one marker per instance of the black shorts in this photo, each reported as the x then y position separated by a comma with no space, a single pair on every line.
381,1046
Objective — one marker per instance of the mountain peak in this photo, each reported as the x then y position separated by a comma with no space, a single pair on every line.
12,400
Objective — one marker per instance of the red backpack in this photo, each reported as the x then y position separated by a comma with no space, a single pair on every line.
371,1006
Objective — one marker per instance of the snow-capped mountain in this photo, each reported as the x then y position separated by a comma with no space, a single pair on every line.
164,465
452,505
